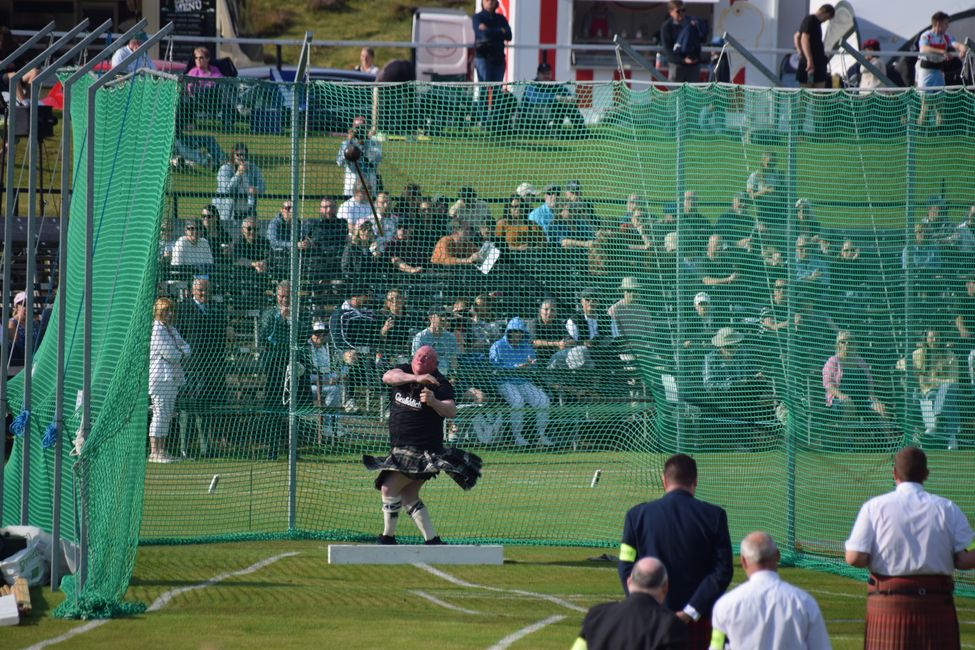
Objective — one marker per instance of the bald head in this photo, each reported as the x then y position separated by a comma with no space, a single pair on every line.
649,576
758,552
424,361
911,465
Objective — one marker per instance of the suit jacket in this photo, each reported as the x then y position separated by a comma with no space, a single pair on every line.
691,538
637,623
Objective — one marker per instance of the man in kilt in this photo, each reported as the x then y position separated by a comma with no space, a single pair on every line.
420,399
912,541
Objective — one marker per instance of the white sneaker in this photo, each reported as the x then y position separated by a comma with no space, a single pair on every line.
161,458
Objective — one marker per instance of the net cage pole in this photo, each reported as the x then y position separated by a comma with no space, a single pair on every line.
792,101
88,280
299,98
680,185
910,171
45,74
33,154
8,226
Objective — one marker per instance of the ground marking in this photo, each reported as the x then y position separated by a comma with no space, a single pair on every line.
507,641
442,603
164,599
463,583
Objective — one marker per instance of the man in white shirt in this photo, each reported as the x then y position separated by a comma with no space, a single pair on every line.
191,249
124,54
355,210
766,611
912,541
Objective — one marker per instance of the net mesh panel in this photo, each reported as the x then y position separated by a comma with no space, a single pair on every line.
626,294
133,138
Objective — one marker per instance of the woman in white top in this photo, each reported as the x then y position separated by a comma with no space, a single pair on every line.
191,249
167,352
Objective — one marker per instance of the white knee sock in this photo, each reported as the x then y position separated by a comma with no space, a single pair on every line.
421,517
391,506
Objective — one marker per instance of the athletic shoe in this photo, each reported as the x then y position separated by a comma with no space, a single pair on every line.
161,458
386,540
436,541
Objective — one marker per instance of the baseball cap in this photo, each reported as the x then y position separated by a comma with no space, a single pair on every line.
526,189
319,326
573,186
20,298
870,44
701,296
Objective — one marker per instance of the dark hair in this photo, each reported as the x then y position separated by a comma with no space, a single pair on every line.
681,469
212,211
240,148
675,4
911,464
829,10
939,16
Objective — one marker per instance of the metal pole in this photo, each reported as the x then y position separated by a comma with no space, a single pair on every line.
8,226
62,279
790,198
909,276
300,86
105,54
32,148
622,44
680,155
742,50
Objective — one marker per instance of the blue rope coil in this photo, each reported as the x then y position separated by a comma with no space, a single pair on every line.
19,423
50,436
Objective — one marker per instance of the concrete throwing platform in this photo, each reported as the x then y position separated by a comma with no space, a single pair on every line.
412,554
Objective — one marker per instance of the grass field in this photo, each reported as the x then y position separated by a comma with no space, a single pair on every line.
300,601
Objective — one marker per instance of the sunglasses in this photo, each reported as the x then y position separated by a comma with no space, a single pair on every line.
249,229
191,227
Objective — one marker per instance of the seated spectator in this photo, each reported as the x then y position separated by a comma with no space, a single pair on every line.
358,260
581,207
352,324
367,61
404,252
810,272
964,235
964,320
408,201
455,248
239,184
324,384
201,71
485,328
387,221
633,323
213,230
775,316
936,225
356,210
735,224
191,251
371,155
326,237
440,339
513,355
922,261
470,210
432,222
548,333
516,231
694,228
279,230
544,214
250,259
398,328
734,384
16,330
849,383
766,189
571,229
935,370
123,56
718,273
806,224
588,325
850,281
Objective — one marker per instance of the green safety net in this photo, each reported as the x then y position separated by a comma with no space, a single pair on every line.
689,267
133,135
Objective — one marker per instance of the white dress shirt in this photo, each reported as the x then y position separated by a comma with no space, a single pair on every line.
910,532
124,54
768,613
354,212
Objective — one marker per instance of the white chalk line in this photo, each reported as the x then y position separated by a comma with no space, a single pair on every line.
443,603
164,599
512,638
463,583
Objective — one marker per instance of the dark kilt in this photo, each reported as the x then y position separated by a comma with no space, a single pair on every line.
911,613
421,464
699,634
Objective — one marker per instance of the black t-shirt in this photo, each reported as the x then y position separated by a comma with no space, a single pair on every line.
812,27
412,423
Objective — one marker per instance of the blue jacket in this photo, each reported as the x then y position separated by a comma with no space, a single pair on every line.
506,356
489,43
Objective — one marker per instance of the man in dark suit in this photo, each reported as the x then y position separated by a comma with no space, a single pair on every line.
640,622
691,538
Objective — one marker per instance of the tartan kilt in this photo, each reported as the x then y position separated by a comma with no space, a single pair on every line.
422,464
911,621
699,634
